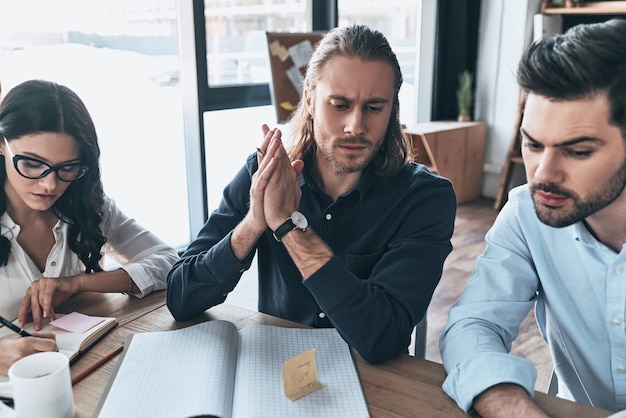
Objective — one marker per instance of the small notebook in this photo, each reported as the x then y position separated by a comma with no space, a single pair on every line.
90,329
80,332
212,369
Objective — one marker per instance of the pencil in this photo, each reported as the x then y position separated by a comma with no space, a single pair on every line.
14,327
97,364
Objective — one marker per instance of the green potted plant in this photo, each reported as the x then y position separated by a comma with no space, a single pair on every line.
465,95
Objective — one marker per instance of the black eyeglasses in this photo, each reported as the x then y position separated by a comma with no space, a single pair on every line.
32,168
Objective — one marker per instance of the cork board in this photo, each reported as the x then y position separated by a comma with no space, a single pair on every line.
289,53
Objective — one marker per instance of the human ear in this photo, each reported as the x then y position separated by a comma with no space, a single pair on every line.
308,102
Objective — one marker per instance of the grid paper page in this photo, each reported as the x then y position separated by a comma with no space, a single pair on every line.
259,388
180,373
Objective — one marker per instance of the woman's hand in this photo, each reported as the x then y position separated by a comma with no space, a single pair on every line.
43,295
14,347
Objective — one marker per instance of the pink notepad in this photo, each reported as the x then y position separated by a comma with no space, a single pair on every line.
76,322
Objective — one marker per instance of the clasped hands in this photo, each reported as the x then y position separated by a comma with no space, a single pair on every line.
275,190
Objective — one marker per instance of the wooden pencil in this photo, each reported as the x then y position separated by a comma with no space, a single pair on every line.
97,364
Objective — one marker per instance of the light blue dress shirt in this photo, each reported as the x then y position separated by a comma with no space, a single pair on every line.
578,287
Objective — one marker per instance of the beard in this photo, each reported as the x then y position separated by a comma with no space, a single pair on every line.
349,164
582,208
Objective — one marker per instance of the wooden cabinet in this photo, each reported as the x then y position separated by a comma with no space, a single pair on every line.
454,150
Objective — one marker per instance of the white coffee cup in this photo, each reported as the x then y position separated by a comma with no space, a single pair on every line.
42,386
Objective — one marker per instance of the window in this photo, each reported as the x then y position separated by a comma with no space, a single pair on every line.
236,48
121,57
397,20
236,43
244,24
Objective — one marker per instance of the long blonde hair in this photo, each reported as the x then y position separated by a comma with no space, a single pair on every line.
361,42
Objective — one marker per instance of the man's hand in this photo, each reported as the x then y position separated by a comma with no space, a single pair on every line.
282,191
255,223
260,180
507,401
14,347
43,295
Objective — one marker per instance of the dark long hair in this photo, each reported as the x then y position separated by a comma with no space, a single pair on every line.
586,60
361,42
38,106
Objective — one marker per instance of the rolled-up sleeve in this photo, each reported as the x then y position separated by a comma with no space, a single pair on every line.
483,323
208,269
143,255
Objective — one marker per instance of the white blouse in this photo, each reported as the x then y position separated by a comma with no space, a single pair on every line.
145,257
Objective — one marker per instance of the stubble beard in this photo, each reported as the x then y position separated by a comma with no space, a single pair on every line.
350,164
601,198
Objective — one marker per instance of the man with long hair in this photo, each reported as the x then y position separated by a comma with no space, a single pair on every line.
349,232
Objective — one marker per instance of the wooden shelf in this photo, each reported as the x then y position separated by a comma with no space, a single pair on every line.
513,159
587,8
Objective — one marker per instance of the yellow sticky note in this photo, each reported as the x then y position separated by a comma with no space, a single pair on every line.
278,50
300,375
287,106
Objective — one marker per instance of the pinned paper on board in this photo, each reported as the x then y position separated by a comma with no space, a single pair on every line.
278,50
295,76
301,53
300,375
287,106
289,54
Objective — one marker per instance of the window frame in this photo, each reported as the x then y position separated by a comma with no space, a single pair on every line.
200,97
323,18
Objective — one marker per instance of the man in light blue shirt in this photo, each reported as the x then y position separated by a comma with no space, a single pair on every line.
558,244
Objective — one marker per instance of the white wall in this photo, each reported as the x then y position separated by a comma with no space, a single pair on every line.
506,29
424,58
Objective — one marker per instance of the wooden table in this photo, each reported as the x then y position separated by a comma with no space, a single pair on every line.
402,387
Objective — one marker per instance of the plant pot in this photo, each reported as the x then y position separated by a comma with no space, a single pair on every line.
463,118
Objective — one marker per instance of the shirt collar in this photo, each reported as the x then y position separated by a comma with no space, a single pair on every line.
362,186
582,234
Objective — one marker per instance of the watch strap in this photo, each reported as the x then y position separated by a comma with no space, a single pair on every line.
284,229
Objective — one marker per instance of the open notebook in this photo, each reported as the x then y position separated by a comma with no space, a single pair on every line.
72,344
87,331
212,369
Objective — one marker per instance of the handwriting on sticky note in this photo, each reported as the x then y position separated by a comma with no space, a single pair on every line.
76,322
300,375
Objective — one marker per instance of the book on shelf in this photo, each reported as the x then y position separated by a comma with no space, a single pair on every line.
214,369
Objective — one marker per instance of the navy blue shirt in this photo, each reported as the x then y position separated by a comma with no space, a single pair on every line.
389,235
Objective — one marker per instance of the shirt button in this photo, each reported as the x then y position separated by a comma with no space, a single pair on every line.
54,263
322,315
329,216
619,269
616,322
620,369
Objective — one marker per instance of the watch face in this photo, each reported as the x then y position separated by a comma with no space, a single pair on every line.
299,220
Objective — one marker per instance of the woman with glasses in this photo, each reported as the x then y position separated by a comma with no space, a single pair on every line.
56,223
